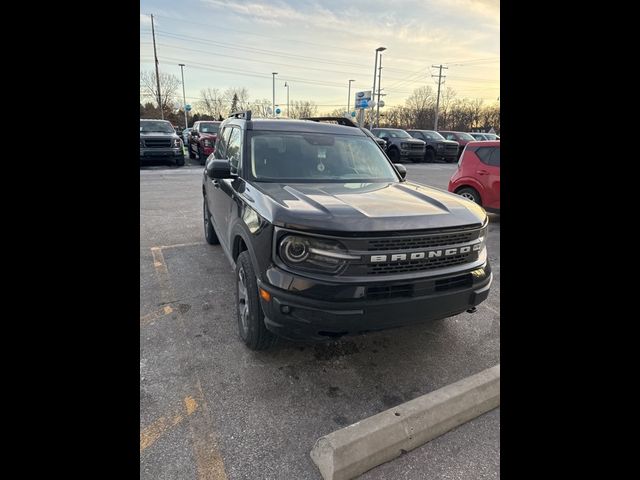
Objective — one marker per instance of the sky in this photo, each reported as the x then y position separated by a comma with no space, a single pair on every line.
317,46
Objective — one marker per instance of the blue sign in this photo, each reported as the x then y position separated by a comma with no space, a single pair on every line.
363,99
278,111
353,114
187,107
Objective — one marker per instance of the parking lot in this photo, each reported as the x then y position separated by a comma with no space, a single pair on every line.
212,409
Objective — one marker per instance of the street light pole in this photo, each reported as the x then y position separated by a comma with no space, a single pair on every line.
287,85
379,83
155,54
184,98
349,96
273,105
375,68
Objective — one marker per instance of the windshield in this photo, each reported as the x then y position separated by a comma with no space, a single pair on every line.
317,157
465,136
209,127
491,136
393,134
433,135
161,127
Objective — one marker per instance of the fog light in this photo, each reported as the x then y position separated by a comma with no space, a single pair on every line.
285,309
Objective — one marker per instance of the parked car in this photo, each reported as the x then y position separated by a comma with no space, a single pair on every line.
478,175
158,139
438,148
480,137
202,139
350,123
491,136
400,145
461,137
327,237
185,135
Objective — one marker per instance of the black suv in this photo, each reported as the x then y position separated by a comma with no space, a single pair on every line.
158,140
438,147
327,238
400,145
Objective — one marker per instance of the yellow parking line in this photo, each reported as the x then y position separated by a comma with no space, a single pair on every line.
209,462
150,317
181,245
153,432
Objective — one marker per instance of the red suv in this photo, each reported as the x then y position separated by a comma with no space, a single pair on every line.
478,175
202,139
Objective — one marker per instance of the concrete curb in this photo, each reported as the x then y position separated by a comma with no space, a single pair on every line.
351,451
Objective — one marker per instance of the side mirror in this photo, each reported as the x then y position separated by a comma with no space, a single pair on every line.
402,170
219,168
193,133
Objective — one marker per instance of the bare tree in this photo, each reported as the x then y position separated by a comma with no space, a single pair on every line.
241,97
169,84
301,109
419,110
212,102
260,108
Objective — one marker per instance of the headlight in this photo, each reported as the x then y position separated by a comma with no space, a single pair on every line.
176,142
314,254
440,146
208,143
483,234
404,145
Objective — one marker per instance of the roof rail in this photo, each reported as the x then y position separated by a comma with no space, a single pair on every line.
246,115
347,122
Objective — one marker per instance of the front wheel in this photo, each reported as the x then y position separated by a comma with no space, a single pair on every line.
251,327
192,155
470,194
180,161
201,156
429,156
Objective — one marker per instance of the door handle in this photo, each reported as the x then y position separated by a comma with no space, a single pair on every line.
482,172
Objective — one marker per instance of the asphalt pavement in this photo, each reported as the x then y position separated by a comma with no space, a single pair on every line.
212,409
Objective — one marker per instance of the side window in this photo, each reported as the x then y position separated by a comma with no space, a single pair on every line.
495,158
220,150
234,148
484,154
380,133
451,136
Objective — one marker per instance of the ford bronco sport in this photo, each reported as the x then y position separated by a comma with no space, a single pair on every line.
327,238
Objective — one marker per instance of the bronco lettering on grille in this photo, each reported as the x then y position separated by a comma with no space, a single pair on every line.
398,257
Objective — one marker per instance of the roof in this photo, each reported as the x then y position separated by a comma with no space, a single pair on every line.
154,120
308,126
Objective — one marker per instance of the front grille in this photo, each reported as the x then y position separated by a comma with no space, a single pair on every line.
158,143
416,146
422,242
420,265
451,149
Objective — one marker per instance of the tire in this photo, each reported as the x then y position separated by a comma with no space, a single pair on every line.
429,156
470,194
251,327
180,161
394,156
209,232
192,155
201,156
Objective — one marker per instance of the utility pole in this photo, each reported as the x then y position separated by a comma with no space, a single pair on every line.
435,127
375,68
349,97
378,107
155,54
273,105
287,85
184,98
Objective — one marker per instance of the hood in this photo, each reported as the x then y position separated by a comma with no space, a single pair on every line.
158,135
363,207
448,142
408,140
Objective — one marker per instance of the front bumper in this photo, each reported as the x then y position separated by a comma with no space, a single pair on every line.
161,152
333,310
418,154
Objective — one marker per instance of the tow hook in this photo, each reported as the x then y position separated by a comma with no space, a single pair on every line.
472,310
